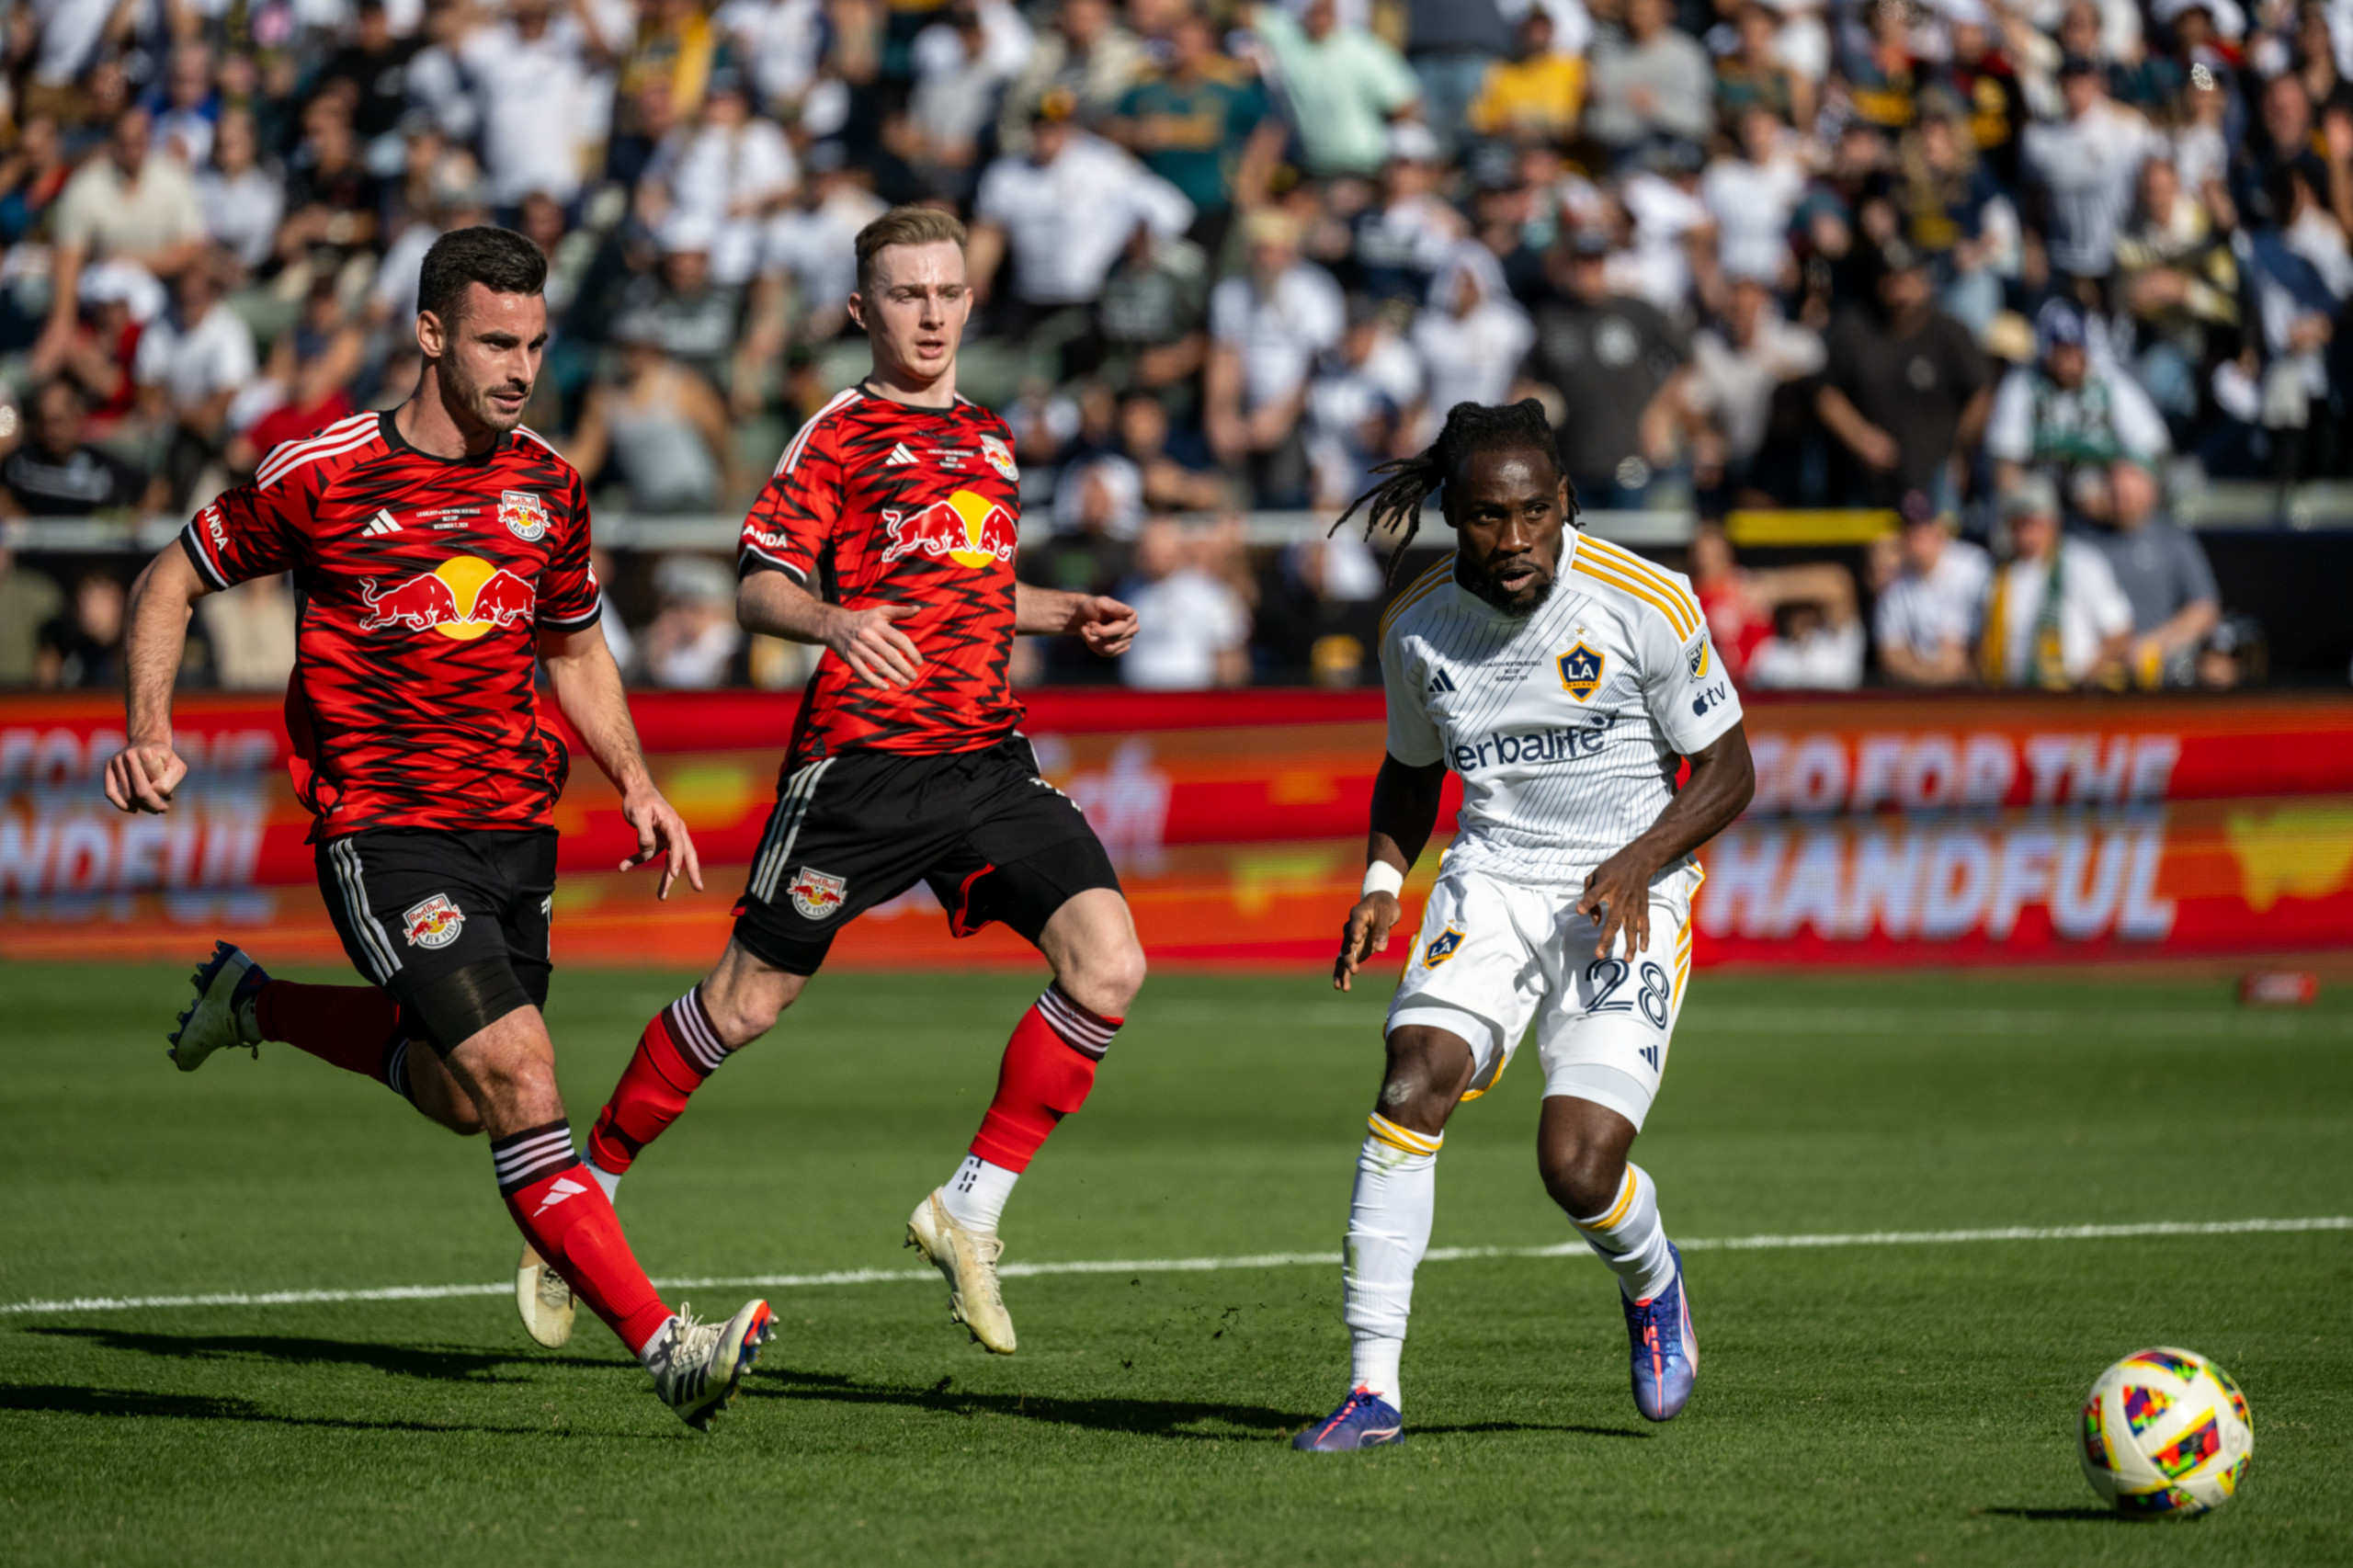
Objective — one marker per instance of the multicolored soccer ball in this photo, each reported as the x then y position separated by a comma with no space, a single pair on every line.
2167,1432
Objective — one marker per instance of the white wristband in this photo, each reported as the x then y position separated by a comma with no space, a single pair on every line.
1381,876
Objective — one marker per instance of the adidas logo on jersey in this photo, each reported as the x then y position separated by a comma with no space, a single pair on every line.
380,524
1441,682
899,456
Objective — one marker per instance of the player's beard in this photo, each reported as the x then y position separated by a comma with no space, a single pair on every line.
469,400
1530,599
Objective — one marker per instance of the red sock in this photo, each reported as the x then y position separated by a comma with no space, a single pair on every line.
565,1215
358,1027
679,1049
1049,1067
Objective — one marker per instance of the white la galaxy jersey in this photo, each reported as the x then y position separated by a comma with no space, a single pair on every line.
1566,725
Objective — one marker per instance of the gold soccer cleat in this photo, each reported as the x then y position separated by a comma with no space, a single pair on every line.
969,1260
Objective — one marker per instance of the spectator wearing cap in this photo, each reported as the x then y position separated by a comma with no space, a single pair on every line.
1650,80
1743,372
2055,618
2163,570
56,473
1535,93
2087,167
1194,122
1064,209
1341,86
732,168
126,205
1919,375
1612,359
694,317
1267,327
1087,57
193,362
2070,417
1927,618
1399,241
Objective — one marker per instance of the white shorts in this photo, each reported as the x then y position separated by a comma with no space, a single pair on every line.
1494,956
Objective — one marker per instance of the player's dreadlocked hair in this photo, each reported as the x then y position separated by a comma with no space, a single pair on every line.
1396,501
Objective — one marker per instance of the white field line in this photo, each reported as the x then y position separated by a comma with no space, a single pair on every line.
1213,1265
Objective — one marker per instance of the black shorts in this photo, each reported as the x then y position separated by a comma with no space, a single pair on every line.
992,839
454,924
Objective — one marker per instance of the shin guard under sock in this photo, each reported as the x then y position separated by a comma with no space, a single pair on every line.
1629,1237
566,1216
1049,1067
680,1049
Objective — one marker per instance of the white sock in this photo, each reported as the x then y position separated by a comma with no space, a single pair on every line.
974,1197
1389,1230
609,1180
661,1338
1630,1239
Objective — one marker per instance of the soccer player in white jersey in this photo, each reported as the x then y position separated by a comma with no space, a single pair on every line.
1563,678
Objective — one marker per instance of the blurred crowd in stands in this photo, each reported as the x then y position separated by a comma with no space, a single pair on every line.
2014,274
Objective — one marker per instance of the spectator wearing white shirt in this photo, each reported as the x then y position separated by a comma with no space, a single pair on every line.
2089,165
1363,407
780,43
1816,643
125,205
192,362
241,202
1471,336
2057,618
1192,629
1751,198
732,169
530,79
1065,210
1737,369
1927,619
1266,329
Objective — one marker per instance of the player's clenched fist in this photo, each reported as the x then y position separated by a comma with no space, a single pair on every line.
1367,933
142,777
877,652
1106,626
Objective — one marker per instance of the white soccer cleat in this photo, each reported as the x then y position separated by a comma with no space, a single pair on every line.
544,1300
969,1260
220,1017
698,1366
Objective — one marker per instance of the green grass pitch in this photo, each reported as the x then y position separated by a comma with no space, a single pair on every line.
1866,1404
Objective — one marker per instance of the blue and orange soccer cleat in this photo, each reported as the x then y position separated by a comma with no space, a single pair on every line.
1364,1420
1665,1351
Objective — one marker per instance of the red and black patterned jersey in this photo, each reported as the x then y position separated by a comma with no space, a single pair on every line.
878,502
424,585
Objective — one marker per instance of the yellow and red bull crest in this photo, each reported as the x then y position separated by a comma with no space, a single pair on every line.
970,529
1000,457
816,895
524,514
432,924
465,598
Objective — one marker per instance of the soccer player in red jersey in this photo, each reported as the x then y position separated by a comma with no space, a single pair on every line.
887,537
441,555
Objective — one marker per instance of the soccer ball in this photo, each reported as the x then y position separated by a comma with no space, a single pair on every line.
2165,1432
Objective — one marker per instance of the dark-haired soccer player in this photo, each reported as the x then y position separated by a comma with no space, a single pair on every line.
887,537
1562,677
441,552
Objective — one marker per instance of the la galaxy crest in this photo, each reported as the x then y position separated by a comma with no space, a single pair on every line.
1442,947
1580,672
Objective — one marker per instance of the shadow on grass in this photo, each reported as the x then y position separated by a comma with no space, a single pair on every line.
1144,1417
441,1365
2049,1516
1175,1418
64,1400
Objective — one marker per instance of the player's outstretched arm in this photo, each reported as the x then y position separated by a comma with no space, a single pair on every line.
143,774
1617,894
588,688
868,641
1107,625
1405,810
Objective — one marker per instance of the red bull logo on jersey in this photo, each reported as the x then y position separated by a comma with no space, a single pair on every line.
465,598
816,895
524,514
432,924
971,530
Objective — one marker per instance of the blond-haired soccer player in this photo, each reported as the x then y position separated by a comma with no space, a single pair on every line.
1563,678
886,537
